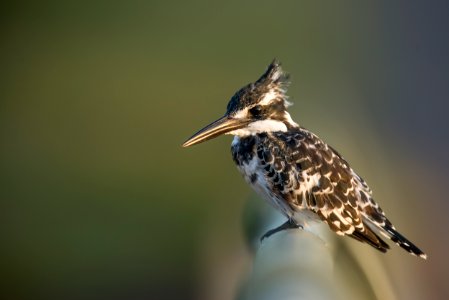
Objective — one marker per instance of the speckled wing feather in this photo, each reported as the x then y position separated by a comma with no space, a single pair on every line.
303,174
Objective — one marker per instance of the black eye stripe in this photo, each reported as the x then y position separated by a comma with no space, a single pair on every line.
256,111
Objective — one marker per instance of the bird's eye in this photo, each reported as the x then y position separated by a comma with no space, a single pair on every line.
256,111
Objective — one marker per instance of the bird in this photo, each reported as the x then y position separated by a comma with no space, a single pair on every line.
294,170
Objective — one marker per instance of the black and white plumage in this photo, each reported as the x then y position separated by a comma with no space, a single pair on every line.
294,170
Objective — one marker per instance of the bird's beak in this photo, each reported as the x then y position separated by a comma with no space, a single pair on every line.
221,126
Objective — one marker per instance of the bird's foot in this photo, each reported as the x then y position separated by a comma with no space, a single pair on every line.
289,224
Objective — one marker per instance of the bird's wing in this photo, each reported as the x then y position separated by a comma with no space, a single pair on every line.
312,175
330,188
344,201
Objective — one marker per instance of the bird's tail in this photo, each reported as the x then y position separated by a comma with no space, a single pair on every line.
366,235
402,241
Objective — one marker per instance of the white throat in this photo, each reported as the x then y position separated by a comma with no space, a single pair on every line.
260,126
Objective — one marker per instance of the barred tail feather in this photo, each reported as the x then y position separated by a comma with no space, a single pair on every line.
403,242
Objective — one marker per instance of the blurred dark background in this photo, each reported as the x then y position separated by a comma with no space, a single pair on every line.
98,199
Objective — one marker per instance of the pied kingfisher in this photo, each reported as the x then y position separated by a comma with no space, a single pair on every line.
294,170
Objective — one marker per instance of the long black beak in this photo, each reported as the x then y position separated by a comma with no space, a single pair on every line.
221,126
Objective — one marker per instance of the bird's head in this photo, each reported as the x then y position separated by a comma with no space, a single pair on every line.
257,107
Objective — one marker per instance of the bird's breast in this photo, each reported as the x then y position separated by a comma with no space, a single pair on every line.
243,149
244,152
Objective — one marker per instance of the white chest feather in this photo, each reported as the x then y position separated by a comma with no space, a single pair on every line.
254,174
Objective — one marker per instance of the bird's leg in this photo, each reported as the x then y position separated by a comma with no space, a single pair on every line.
289,224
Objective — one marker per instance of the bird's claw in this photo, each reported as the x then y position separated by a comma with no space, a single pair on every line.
289,224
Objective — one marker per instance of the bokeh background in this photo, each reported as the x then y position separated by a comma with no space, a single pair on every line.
98,199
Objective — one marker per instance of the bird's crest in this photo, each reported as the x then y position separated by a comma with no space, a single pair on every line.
275,77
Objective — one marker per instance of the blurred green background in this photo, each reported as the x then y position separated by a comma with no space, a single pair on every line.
98,199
